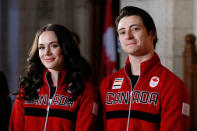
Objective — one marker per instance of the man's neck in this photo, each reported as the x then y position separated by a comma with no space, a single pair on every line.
136,61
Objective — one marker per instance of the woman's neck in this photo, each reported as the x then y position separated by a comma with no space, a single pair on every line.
54,77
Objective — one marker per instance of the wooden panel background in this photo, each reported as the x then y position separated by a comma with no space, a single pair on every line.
190,76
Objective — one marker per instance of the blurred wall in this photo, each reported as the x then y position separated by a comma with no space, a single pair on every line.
19,21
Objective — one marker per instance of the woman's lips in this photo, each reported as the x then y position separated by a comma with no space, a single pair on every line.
49,59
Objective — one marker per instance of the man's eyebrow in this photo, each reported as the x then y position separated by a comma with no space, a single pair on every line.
129,27
120,29
134,25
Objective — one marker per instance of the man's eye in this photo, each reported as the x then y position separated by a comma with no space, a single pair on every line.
121,33
135,29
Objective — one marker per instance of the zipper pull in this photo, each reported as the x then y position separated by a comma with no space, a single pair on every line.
50,100
131,93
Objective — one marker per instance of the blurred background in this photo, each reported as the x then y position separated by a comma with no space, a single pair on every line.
93,21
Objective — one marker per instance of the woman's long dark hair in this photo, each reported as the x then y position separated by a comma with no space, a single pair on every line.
32,79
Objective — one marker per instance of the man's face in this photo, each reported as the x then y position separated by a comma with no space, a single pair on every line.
134,38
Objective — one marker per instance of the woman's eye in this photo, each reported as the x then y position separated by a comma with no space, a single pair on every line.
54,45
41,48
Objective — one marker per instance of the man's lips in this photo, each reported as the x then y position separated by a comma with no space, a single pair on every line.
131,43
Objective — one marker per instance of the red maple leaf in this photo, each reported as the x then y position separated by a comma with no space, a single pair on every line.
155,79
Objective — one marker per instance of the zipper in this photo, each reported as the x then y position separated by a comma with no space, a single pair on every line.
48,106
49,103
131,95
129,114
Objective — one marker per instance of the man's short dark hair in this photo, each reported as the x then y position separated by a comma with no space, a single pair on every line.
145,17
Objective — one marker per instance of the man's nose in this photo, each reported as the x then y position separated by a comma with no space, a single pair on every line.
129,34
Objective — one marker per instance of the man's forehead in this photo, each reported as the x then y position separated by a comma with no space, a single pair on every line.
129,21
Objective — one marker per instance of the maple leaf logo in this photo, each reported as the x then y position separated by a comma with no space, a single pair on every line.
154,81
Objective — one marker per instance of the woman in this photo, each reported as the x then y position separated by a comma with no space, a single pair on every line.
52,92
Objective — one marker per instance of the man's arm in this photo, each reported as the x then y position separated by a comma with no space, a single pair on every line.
175,108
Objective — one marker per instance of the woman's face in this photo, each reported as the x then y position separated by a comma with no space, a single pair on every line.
50,52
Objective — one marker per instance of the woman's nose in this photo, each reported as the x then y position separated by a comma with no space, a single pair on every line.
47,51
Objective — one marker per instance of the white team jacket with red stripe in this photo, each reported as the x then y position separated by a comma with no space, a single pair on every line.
158,102
59,114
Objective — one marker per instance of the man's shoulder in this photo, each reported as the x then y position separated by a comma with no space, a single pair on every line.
171,79
118,73
168,73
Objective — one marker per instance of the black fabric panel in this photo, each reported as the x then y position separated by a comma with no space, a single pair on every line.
29,111
62,114
134,114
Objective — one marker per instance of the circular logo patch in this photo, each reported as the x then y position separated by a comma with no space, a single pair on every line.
154,81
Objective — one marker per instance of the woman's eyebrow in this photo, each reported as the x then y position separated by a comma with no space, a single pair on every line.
52,42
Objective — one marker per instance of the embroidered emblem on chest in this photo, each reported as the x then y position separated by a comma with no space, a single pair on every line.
154,81
141,97
117,83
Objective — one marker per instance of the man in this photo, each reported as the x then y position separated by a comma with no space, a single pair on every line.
143,95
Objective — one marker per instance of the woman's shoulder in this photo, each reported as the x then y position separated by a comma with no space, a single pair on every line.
90,90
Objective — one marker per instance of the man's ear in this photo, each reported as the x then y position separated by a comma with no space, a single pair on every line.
153,34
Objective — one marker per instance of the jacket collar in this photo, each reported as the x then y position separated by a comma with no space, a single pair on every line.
61,77
145,66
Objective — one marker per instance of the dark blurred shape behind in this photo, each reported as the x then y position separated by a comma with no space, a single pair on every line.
5,103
